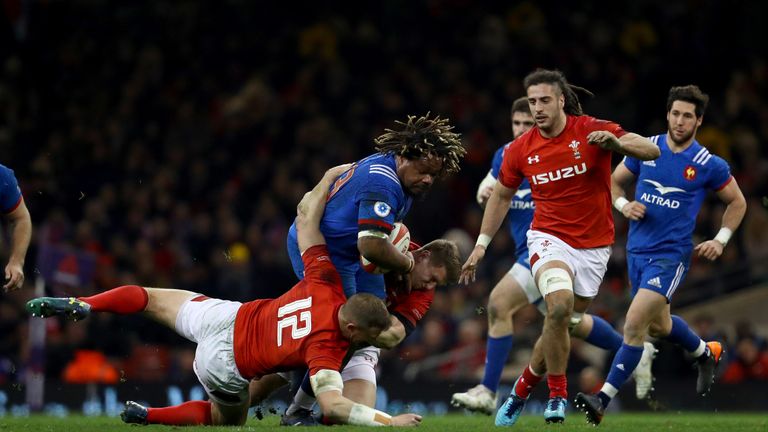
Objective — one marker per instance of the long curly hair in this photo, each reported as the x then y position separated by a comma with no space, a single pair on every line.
424,136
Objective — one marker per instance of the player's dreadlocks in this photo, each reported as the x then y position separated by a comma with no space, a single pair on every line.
421,137
555,77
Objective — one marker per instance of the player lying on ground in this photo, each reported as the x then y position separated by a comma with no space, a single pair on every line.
406,309
517,289
567,161
668,197
311,325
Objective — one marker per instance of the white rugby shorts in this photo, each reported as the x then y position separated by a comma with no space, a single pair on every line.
211,324
587,265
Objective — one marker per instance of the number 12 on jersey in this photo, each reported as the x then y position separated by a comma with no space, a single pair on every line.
288,319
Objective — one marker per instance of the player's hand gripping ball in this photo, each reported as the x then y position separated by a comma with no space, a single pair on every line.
400,237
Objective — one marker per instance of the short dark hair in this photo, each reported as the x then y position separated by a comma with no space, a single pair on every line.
691,94
521,105
445,253
557,78
423,136
367,311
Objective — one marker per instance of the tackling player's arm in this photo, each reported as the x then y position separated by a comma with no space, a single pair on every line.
311,207
621,176
328,385
735,208
392,337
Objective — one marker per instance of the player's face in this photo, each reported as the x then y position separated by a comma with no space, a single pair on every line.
682,122
546,103
521,123
418,175
426,276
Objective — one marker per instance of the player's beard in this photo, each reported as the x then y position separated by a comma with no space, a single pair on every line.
419,194
682,140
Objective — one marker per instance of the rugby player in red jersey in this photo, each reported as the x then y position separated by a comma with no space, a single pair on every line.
312,325
567,160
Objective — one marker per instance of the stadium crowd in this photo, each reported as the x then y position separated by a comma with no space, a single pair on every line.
172,142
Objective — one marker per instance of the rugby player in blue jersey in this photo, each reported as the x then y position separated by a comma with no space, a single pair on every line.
363,205
668,195
517,289
20,226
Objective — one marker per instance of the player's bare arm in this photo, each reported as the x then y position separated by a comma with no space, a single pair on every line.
328,385
380,251
631,144
736,206
311,207
391,337
20,226
631,210
495,212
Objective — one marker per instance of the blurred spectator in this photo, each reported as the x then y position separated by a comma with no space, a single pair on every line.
749,363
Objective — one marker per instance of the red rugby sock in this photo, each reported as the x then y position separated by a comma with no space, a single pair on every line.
186,414
558,386
127,299
527,382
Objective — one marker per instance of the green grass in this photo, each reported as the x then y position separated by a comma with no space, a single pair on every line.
645,422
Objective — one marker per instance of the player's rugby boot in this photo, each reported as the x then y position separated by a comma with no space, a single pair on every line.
591,406
68,307
643,375
134,413
707,367
555,410
302,417
477,399
508,414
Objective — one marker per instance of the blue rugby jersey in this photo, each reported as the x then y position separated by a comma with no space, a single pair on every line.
672,188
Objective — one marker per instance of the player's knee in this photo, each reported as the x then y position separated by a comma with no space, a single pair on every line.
659,330
559,313
500,309
634,329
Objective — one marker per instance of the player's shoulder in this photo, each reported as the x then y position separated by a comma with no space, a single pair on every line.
379,170
702,157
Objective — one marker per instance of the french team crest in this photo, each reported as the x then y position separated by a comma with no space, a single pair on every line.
689,173
574,145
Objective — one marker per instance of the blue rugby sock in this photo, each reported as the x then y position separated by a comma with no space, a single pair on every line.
496,353
603,335
624,363
682,335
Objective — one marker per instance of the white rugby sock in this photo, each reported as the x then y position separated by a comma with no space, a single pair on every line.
300,400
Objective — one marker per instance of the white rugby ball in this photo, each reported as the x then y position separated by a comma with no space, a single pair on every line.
400,237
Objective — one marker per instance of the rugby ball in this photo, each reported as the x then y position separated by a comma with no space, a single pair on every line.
400,237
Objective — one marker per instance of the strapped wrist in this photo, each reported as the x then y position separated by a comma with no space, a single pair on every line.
483,240
620,203
723,236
